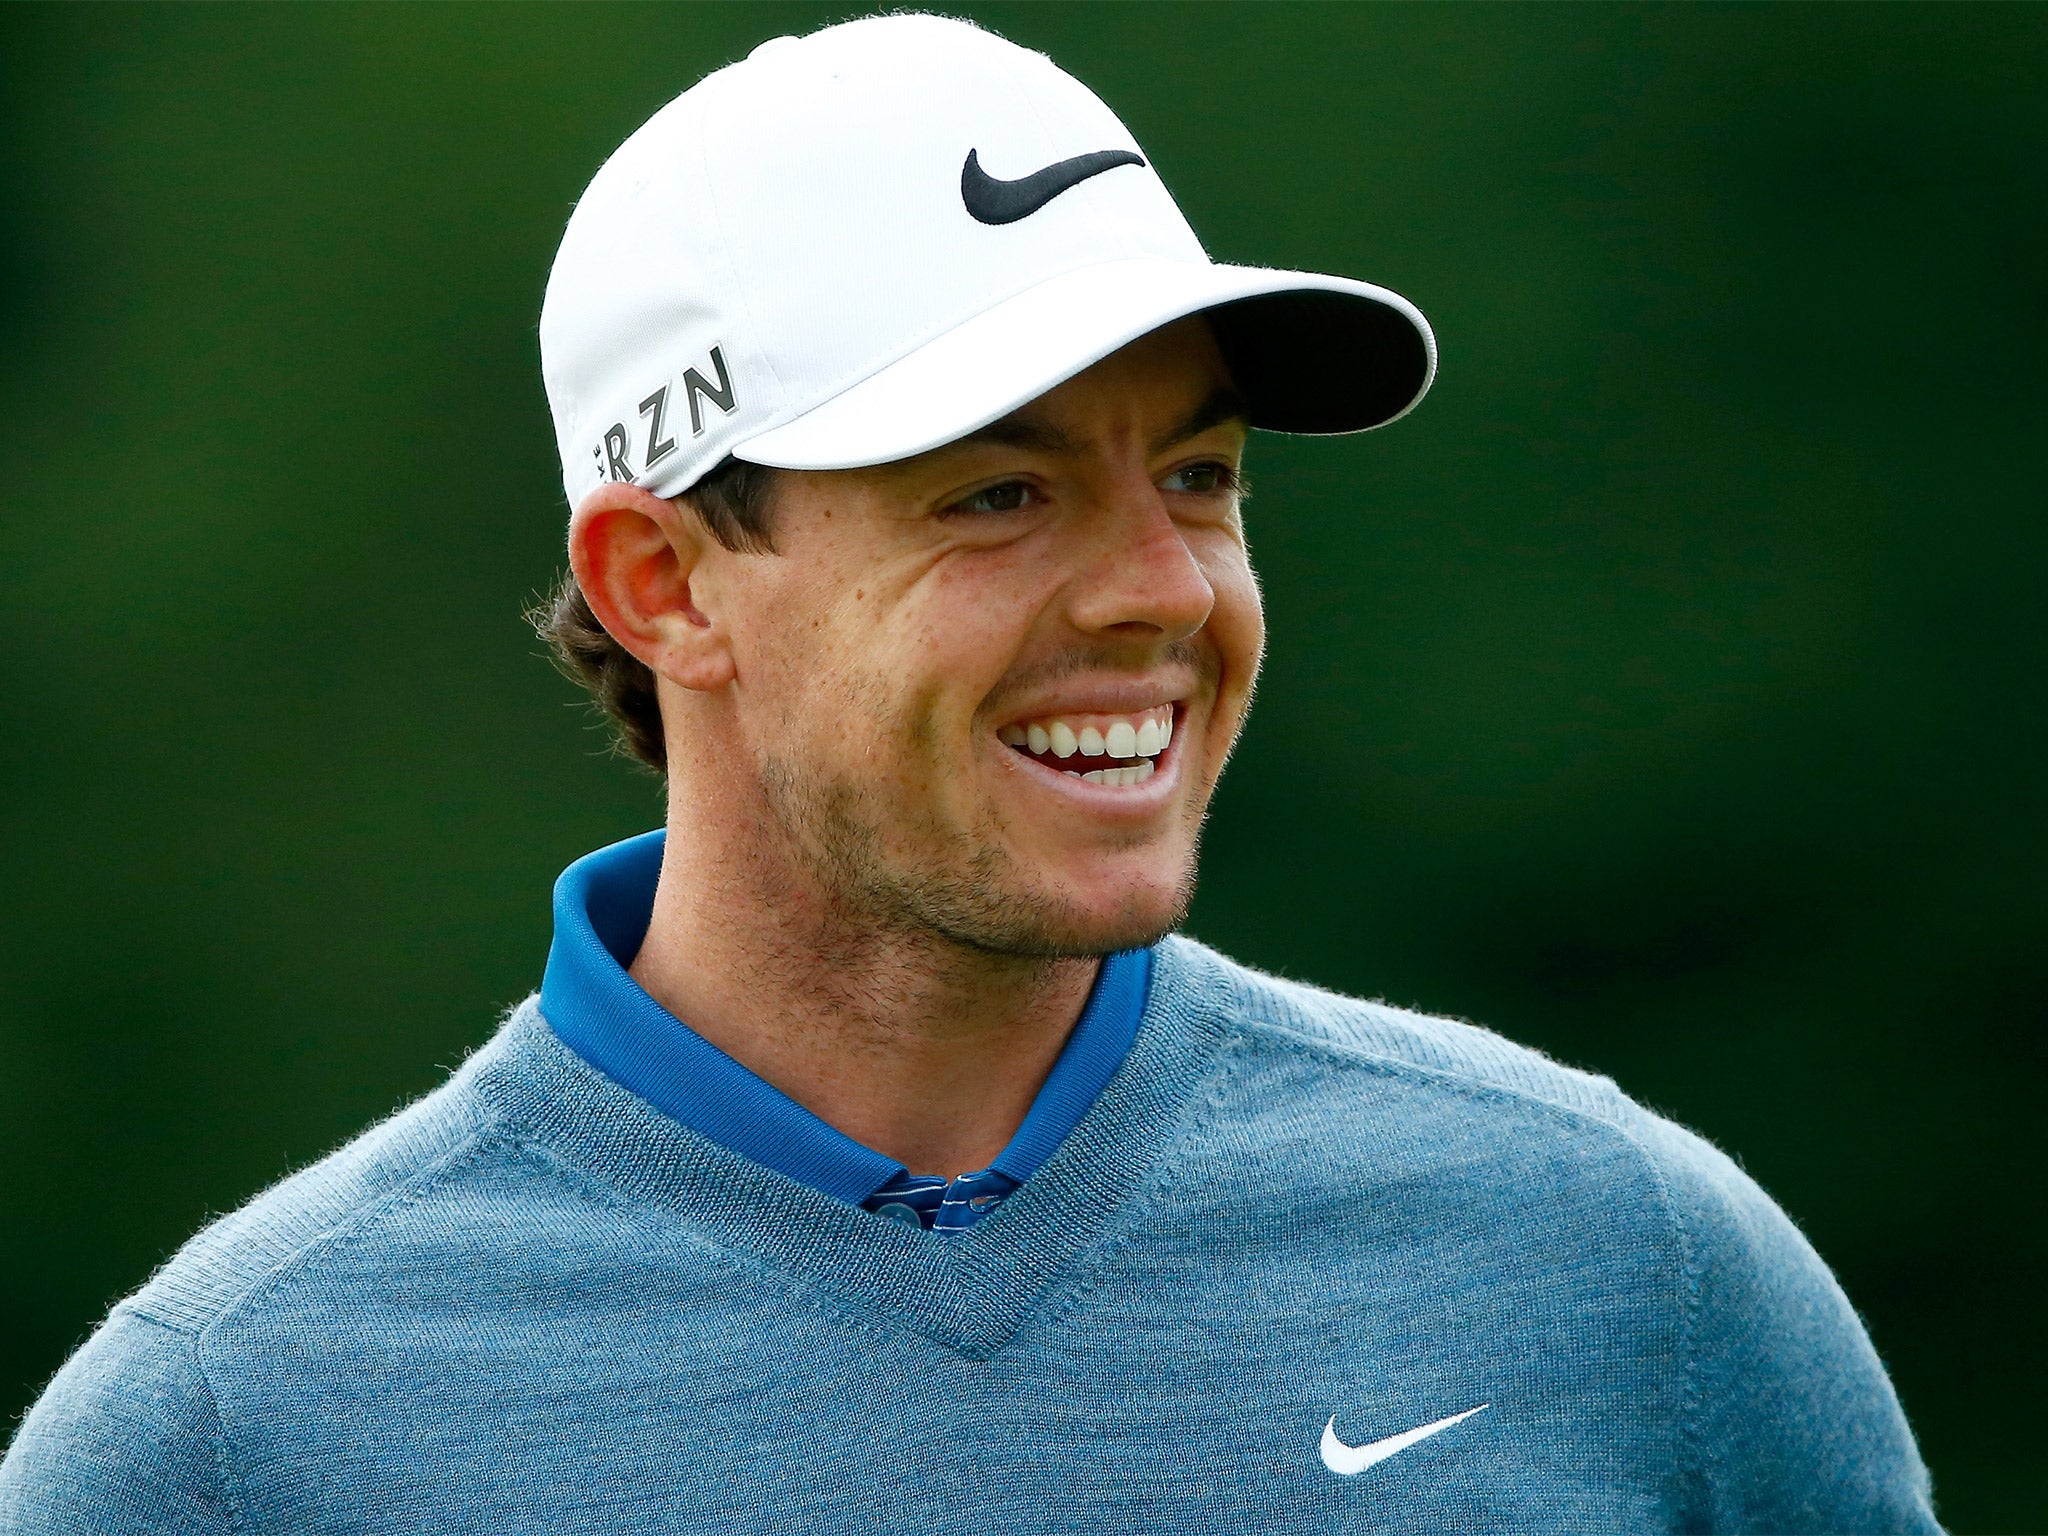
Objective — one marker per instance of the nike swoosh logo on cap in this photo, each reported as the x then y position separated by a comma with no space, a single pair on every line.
1005,202
1350,1460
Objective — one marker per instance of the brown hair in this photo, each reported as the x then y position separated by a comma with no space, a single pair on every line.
734,501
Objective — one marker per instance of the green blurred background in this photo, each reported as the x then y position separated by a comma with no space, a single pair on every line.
1666,692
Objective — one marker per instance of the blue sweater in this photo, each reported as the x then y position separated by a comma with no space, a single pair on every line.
1292,1229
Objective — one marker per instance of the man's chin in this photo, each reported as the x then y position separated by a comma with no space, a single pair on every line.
974,889
1049,926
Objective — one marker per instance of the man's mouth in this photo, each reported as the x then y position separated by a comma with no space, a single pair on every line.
1111,750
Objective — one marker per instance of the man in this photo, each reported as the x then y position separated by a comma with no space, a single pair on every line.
871,1159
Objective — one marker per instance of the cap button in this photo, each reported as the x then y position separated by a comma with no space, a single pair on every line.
774,44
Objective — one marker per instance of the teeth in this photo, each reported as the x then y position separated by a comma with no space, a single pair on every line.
1116,778
1142,736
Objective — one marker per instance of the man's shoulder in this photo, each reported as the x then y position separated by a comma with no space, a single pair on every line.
1456,1055
128,1436
1341,1058
398,1160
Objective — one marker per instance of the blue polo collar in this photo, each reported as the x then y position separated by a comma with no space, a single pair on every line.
603,904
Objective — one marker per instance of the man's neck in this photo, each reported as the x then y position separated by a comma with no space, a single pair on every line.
922,1049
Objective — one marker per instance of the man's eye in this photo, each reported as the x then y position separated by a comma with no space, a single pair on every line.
1010,496
1201,479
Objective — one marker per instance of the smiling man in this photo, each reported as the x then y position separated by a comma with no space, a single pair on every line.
872,1156
942,748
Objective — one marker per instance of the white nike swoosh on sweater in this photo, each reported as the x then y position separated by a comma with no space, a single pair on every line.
1350,1460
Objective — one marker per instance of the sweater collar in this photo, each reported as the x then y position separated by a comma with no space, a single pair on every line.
969,1293
603,904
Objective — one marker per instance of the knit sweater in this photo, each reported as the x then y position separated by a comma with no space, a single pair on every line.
1292,1229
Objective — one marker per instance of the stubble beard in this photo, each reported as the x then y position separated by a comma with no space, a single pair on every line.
965,890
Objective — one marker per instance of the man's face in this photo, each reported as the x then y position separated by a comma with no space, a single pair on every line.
933,635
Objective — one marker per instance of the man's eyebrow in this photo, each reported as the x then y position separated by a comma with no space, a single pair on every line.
1018,430
1225,403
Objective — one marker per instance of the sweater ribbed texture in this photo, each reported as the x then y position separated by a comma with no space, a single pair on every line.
532,1302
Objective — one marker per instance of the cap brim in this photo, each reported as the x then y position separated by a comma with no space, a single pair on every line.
1311,353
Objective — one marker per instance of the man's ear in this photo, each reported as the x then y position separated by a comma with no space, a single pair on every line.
635,556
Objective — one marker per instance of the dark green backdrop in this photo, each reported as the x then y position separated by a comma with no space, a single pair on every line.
1666,692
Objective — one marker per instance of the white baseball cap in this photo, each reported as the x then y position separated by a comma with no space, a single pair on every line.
858,245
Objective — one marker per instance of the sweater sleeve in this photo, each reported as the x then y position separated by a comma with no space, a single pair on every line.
1792,1419
125,1441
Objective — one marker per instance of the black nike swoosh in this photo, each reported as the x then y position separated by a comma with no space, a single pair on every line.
1005,202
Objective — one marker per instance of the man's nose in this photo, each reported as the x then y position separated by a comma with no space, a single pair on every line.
1142,581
